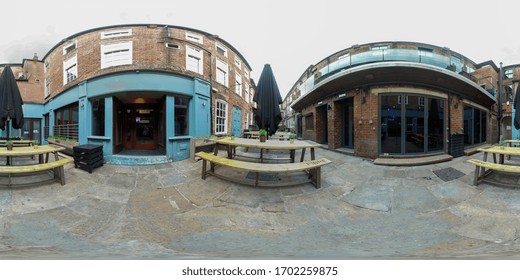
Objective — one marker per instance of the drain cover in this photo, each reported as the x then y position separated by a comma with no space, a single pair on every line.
448,174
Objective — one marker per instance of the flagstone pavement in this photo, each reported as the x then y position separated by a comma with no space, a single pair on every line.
166,211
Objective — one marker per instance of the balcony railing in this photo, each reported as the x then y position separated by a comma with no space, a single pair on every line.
419,56
69,131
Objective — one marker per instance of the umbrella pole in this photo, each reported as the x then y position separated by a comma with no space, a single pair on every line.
8,159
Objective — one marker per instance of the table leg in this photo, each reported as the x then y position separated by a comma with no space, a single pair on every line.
40,158
229,152
261,154
509,144
303,155
215,149
293,155
313,157
482,169
501,159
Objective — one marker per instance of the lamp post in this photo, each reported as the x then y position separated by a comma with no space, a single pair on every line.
500,91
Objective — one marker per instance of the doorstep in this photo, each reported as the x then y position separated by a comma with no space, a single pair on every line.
412,161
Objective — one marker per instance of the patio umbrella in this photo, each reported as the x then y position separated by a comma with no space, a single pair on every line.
268,100
10,101
516,105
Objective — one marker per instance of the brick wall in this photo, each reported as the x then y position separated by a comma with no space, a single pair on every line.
150,52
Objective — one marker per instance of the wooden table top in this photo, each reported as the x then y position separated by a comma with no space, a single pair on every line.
269,144
513,141
29,151
511,151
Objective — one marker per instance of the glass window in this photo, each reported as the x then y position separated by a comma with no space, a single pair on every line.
194,60
116,33
116,54
181,116
32,129
66,121
221,117
70,70
475,128
238,84
309,122
194,37
221,49
98,117
69,47
222,72
509,73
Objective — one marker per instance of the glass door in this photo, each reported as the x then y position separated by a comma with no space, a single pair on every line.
391,124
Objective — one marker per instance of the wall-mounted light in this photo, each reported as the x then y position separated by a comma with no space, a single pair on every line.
329,107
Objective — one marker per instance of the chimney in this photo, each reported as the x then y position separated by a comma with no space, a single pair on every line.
35,57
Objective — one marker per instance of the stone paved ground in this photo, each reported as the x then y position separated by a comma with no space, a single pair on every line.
363,211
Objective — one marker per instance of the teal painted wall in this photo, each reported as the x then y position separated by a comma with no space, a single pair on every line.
177,147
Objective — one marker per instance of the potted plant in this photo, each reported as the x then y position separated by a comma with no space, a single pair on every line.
262,134
232,135
291,137
9,145
35,144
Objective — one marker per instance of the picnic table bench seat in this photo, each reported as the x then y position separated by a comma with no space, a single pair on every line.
56,166
313,166
481,166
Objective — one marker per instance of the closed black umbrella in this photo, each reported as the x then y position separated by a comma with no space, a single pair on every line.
10,101
268,100
516,105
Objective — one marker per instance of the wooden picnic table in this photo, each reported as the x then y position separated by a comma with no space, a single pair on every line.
3,143
501,151
267,145
40,151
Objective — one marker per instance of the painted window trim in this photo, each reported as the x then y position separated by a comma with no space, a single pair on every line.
67,48
69,64
221,65
238,84
225,110
195,53
115,48
116,33
220,46
194,37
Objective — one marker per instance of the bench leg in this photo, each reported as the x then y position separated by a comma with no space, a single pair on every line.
203,169
62,175
475,179
316,177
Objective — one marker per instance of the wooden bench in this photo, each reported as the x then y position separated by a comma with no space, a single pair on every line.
313,166
57,166
481,166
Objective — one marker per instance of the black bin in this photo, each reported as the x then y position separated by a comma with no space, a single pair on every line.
88,156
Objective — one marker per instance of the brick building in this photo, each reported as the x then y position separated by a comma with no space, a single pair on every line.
395,99
137,88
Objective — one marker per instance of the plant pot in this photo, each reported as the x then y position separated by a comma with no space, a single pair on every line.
262,138
456,145
291,140
9,147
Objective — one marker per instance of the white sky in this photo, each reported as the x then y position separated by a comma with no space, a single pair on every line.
289,35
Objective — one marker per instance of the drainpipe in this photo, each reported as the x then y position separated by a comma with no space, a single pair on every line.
500,91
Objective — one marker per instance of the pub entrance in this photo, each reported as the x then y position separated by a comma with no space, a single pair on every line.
139,125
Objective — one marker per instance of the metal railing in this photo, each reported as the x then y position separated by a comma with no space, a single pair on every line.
69,131
419,56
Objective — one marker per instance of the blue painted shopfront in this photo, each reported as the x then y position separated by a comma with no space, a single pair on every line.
143,84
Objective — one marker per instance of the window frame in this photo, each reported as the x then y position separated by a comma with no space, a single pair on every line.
194,37
68,48
116,33
224,49
238,84
223,64
71,63
107,60
222,116
192,54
